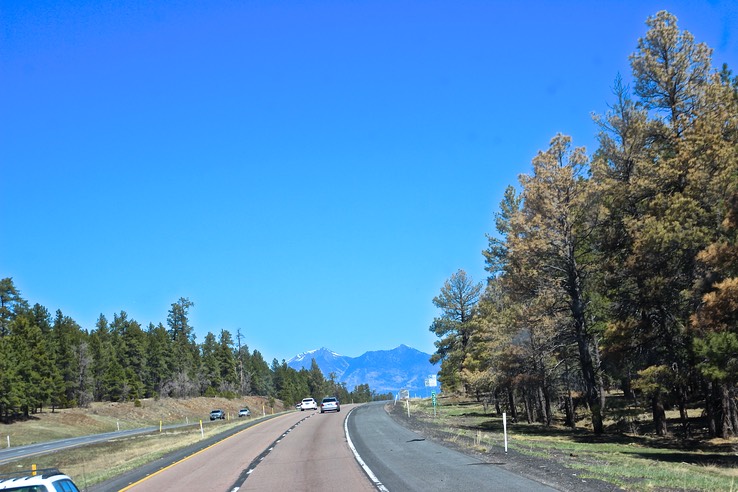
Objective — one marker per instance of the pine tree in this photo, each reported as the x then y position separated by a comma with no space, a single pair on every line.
226,363
457,301
185,353
101,351
551,257
662,168
210,369
158,360
10,303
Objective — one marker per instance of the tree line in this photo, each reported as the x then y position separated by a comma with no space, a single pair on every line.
50,361
617,271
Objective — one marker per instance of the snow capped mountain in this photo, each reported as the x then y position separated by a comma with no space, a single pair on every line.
310,354
383,370
328,361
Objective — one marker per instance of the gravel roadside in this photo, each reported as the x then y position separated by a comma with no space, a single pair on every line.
549,472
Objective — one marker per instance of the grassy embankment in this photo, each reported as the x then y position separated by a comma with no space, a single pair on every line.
635,460
95,463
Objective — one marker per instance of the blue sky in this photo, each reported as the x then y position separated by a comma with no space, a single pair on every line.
308,172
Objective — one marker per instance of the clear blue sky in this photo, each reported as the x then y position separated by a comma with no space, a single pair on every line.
308,172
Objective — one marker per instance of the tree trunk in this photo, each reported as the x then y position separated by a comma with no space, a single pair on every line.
592,393
710,410
511,399
545,406
598,363
528,409
733,410
683,411
727,420
592,388
659,415
568,400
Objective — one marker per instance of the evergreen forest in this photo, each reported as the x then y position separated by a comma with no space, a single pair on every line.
615,272
51,362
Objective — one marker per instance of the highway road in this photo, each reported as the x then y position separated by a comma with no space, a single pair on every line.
359,449
299,450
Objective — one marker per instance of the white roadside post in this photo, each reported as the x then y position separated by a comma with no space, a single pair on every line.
202,432
504,428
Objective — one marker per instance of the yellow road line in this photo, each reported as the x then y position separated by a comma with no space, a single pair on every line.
189,456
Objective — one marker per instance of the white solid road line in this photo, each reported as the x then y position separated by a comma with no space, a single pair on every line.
367,470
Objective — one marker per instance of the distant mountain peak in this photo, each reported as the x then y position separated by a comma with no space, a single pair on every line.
310,354
383,370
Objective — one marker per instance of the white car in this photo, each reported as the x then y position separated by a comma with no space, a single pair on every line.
308,404
45,480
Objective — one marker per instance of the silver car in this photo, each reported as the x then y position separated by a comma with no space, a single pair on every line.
330,404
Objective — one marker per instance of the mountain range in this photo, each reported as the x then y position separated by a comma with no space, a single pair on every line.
385,371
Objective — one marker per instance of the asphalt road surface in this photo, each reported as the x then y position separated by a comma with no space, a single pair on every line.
359,449
300,451
404,461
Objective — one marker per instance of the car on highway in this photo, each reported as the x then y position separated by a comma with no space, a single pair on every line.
308,404
217,414
330,404
43,480
244,412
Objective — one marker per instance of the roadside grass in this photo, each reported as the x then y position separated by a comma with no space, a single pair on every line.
633,462
95,463
102,417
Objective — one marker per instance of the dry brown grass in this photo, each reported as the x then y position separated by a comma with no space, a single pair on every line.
95,463
108,417
639,461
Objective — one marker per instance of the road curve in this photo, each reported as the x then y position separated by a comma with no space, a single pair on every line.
404,461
